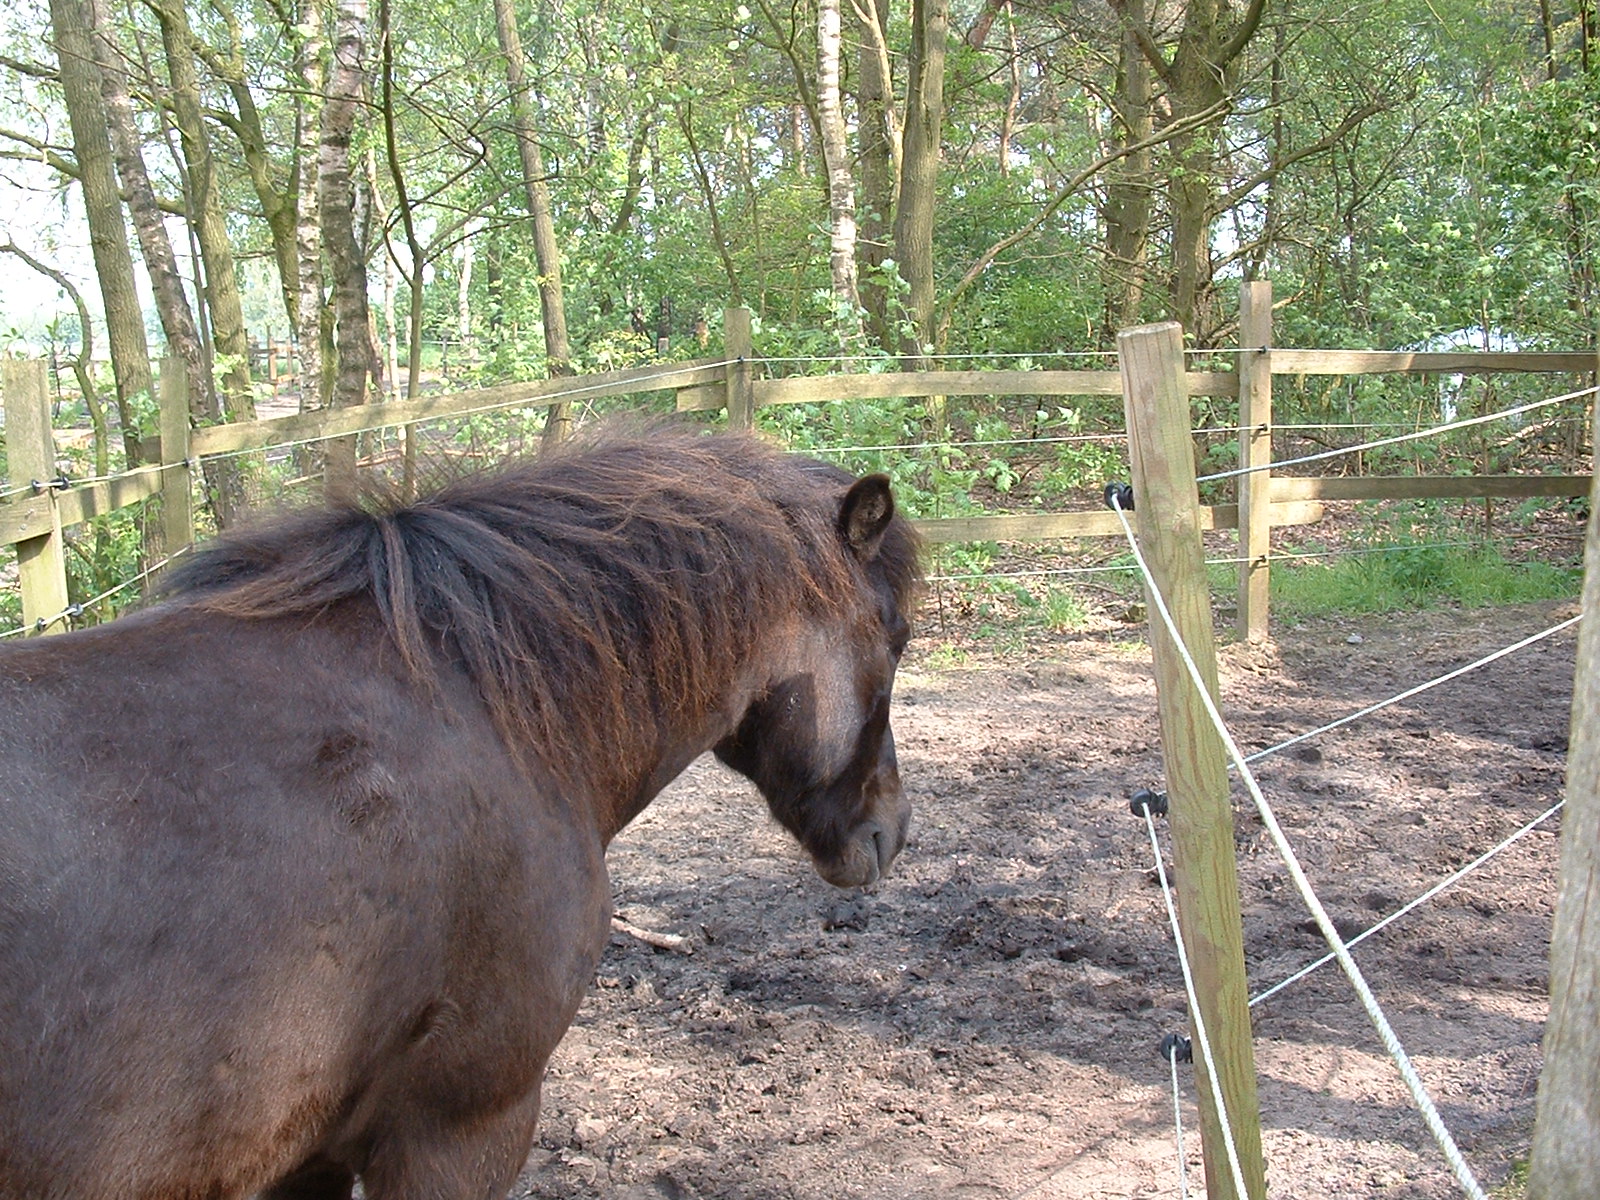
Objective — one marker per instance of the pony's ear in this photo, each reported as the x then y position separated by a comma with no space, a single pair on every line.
865,513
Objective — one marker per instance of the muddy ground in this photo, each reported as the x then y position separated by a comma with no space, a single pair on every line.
986,1023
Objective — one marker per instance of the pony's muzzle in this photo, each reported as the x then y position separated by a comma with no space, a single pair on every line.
875,845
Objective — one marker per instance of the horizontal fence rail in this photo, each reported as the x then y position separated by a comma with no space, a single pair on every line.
733,385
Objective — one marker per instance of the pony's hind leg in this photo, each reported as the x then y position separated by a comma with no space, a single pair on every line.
469,1161
317,1179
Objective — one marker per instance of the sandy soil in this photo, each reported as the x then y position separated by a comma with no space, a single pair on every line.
986,1023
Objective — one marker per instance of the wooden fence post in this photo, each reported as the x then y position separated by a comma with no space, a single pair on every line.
1565,1163
738,346
1255,451
31,452
1167,507
177,496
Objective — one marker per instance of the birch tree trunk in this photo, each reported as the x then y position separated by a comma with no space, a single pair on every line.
311,329
172,303
224,478
355,356
836,158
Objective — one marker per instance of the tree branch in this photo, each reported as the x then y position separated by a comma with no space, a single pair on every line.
1321,145
1242,35
33,70
1067,191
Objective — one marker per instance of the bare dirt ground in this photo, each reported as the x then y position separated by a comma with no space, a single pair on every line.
986,1023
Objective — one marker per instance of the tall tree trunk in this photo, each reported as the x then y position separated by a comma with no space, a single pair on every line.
919,175
836,157
1008,126
224,477
1129,191
547,254
702,175
464,293
414,247
228,332
880,166
172,303
312,327
1199,85
336,200
108,235
277,203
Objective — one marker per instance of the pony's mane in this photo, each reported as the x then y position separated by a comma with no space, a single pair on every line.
570,587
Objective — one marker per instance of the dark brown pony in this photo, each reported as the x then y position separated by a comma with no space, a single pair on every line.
301,870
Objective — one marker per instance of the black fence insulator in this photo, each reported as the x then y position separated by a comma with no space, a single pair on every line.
1122,493
1177,1048
1146,801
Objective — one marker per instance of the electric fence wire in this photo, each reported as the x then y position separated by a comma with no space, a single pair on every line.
1200,1035
1391,1042
1465,669
71,610
1177,1117
1413,436
1501,846
1277,555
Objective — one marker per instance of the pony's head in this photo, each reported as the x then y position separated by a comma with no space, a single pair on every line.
816,741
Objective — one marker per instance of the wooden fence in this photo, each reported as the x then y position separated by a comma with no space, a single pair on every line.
34,518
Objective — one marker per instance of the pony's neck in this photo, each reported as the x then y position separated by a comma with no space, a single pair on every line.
677,744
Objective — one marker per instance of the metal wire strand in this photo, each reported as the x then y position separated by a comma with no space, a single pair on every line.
1415,691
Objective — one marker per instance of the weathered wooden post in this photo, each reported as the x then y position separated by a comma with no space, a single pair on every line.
31,452
1565,1162
1167,508
177,496
739,347
1255,455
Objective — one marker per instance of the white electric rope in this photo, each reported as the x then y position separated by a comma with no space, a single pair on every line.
1397,439
1200,1037
1413,1082
1415,691
1418,902
1177,1124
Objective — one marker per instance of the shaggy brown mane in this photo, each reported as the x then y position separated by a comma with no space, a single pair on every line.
579,591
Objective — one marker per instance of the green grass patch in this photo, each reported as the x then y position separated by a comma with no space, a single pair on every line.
1416,576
